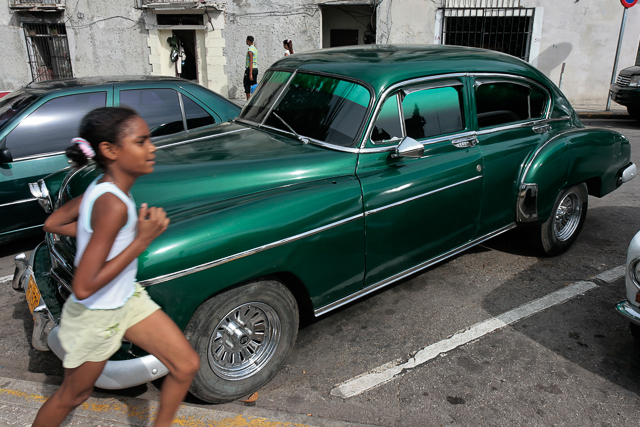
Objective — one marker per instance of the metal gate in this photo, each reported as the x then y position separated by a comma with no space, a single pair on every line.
48,51
500,25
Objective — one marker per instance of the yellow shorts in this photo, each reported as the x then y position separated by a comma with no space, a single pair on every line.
95,335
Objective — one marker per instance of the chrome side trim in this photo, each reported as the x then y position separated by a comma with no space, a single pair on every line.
18,202
512,126
535,154
160,147
410,271
211,264
39,156
527,205
61,281
410,199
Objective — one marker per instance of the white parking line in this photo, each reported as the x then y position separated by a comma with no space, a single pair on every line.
613,274
6,278
391,370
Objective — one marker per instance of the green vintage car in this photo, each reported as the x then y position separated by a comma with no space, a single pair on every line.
349,169
38,121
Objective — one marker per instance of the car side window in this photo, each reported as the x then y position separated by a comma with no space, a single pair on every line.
502,103
387,126
160,108
432,112
49,129
196,115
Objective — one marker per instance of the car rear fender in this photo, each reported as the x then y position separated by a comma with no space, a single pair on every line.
594,156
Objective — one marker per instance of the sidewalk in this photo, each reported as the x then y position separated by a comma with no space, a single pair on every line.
20,401
597,111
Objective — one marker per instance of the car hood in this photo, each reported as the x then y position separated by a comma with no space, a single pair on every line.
631,71
233,160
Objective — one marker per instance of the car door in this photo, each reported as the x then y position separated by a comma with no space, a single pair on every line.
37,143
511,122
417,209
165,108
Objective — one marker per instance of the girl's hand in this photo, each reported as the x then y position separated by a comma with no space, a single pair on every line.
151,223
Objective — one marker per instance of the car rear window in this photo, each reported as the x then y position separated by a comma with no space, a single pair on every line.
49,128
13,104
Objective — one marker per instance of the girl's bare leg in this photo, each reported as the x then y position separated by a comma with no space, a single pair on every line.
160,336
75,389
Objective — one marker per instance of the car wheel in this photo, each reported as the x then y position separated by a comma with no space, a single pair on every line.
242,337
558,233
635,331
634,112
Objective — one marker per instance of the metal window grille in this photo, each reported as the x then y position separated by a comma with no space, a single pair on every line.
48,51
500,25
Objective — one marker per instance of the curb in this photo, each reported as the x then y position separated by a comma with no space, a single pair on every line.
20,401
604,115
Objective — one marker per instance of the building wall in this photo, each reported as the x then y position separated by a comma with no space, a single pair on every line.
14,70
582,34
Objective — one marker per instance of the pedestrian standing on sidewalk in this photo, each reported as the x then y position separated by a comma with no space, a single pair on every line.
251,67
107,304
288,47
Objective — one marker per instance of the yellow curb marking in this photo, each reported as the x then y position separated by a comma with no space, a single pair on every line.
143,412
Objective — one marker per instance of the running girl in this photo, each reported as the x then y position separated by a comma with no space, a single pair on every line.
107,304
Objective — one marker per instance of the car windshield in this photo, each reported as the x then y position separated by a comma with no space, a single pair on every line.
13,104
318,107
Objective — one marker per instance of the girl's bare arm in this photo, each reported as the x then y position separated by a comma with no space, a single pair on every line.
65,219
108,217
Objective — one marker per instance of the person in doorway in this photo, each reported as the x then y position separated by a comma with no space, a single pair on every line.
251,67
107,304
288,47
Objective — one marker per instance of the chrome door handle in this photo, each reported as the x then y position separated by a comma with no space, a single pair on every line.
541,128
465,142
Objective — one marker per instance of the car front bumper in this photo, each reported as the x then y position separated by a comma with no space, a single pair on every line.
117,374
629,311
624,95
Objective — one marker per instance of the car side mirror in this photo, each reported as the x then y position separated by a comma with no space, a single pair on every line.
5,155
408,147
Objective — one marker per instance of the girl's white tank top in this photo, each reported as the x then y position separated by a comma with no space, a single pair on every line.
115,293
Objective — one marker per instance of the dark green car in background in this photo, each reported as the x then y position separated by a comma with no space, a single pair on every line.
349,169
38,121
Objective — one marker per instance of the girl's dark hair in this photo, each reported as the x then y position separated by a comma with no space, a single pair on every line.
289,44
102,124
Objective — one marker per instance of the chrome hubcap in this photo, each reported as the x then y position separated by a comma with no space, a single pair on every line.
567,216
244,341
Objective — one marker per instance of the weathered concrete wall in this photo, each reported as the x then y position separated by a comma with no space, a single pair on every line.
269,22
582,34
107,38
14,68
104,38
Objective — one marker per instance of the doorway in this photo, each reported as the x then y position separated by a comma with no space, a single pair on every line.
346,25
188,69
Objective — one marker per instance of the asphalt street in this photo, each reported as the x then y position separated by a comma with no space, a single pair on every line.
569,362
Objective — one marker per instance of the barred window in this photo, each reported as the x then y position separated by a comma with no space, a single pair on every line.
48,51
500,25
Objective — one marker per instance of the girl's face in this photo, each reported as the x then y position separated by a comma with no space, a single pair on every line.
135,153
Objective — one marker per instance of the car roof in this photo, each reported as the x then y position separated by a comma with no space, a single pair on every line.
79,82
384,65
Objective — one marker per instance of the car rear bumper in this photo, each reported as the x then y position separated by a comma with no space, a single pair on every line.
629,311
117,374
